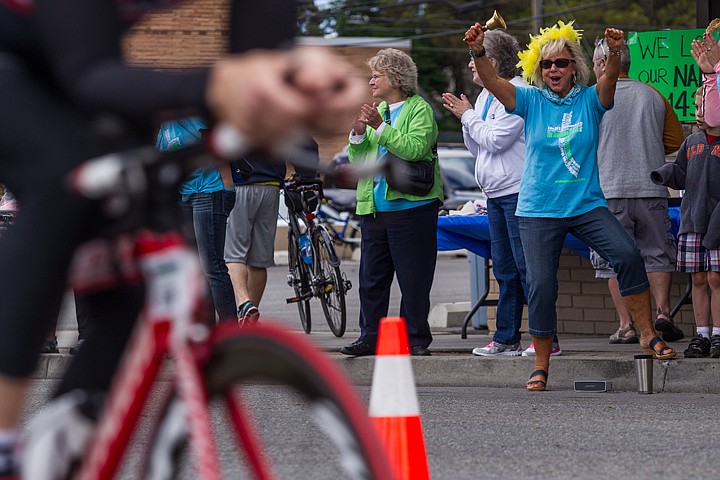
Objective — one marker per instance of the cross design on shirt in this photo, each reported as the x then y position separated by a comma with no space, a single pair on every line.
563,134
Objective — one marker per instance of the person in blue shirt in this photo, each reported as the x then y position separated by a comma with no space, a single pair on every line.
560,188
208,197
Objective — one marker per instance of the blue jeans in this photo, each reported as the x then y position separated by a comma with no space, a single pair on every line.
209,213
508,266
542,240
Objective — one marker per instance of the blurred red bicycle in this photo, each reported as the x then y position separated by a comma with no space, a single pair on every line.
210,363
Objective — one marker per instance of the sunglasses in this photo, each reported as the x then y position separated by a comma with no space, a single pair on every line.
560,63
600,42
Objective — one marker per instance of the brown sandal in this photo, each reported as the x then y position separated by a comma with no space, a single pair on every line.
663,353
537,385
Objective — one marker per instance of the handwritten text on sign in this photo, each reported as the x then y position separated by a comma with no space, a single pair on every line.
664,60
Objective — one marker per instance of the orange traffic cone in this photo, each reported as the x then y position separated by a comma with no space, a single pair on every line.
394,405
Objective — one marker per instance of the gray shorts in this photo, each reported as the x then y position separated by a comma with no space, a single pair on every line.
648,223
250,237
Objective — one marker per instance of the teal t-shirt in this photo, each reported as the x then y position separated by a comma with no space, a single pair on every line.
380,185
560,178
179,133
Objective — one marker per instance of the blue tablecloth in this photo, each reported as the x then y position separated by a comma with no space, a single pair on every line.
471,232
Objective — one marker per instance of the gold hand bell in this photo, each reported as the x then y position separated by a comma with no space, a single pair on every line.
493,23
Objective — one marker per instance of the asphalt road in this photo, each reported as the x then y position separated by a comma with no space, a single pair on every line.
485,433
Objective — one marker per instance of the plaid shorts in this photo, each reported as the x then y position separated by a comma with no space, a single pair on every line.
693,257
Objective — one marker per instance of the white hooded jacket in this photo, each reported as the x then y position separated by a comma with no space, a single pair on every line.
498,143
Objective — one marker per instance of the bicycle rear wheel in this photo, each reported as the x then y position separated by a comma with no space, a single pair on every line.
299,277
267,353
332,285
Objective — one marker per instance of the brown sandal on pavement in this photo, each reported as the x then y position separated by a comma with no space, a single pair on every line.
662,353
537,385
621,336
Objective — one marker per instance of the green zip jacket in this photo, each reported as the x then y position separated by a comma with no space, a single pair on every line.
411,138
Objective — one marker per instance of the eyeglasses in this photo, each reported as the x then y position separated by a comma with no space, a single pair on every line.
560,63
375,77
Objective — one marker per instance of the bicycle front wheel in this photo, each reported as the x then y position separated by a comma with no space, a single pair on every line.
299,277
331,282
259,365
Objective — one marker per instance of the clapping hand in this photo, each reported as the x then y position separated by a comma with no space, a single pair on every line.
368,115
706,53
456,105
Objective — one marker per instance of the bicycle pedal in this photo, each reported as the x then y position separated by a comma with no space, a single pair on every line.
293,300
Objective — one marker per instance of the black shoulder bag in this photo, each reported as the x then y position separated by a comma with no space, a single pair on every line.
412,178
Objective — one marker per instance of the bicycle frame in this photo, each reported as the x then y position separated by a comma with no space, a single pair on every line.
330,217
170,326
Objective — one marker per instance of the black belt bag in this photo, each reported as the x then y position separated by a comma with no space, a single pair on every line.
412,178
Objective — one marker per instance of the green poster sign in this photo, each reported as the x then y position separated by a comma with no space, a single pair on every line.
664,60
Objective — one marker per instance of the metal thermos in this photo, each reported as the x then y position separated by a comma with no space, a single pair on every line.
644,369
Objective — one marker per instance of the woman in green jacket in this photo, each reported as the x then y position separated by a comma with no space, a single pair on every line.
398,230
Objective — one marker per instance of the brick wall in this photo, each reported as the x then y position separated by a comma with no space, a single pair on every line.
191,35
584,305
194,35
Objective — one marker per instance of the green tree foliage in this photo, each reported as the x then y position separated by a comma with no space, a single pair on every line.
436,29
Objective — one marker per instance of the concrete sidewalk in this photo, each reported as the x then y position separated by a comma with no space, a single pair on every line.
453,364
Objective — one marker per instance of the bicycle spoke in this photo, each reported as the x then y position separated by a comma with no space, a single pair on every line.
332,284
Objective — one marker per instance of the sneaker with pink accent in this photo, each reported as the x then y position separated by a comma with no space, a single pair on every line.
494,349
554,352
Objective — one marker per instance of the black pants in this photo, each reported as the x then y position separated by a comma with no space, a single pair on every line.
402,243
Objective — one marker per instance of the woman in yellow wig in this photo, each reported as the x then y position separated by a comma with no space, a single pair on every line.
560,190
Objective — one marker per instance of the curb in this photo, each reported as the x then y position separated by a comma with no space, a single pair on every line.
462,369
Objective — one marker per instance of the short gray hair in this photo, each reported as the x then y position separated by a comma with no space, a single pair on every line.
504,48
399,68
553,47
601,49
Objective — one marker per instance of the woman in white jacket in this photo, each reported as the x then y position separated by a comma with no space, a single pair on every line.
497,139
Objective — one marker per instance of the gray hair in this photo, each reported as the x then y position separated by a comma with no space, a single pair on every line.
554,47
601,50
504,49
399,68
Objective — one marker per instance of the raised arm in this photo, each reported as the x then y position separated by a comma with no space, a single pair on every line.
707,56
503,90
608,81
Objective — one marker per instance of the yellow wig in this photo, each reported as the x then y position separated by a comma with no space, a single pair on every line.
530,57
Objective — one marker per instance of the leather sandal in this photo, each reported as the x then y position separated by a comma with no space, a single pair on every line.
537,385
621,336
662,353
664,324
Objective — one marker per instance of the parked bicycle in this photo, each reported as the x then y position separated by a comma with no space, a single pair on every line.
314,267
209,362
337,212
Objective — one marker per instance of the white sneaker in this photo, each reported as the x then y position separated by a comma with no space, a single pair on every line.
493,348
554,352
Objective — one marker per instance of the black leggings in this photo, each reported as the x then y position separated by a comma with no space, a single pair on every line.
41,140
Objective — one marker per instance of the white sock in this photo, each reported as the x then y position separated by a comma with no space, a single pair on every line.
703,331
716,331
